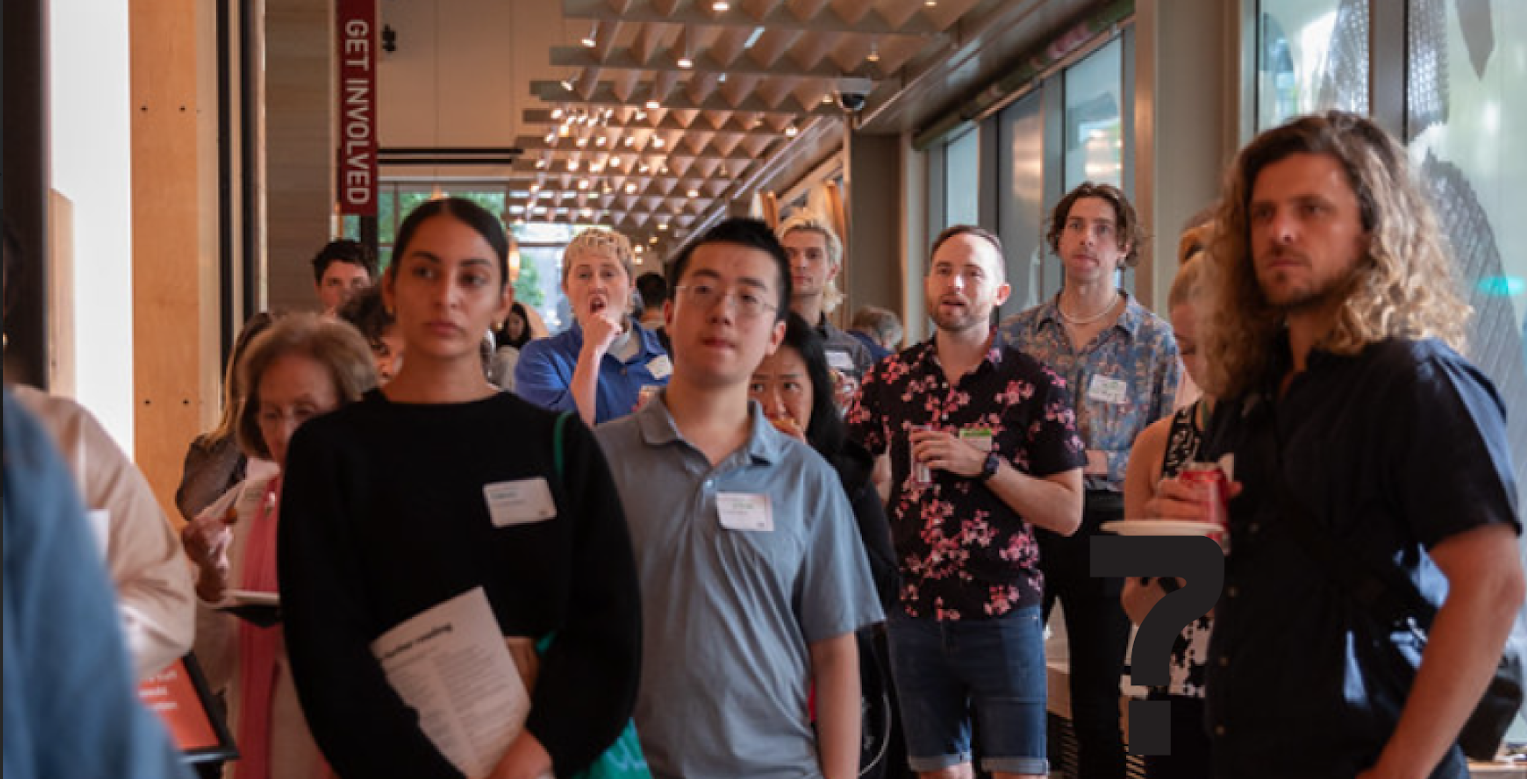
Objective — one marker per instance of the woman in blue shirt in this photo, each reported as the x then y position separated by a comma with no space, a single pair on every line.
598,366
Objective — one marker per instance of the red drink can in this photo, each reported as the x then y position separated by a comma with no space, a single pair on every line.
1212,477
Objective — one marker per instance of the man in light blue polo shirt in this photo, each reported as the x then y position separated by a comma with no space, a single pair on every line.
753,576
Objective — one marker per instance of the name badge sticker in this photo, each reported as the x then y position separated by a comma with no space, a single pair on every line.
1105,389
660,367
840,360
979,437
745,511
519,502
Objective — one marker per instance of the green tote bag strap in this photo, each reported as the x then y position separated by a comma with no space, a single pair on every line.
624,758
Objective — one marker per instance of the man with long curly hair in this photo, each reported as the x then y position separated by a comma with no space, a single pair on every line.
1372,463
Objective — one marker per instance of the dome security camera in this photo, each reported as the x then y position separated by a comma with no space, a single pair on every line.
852,92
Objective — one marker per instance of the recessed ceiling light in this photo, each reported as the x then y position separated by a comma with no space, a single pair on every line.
540,164
629,141
694,193
653,105
791,132
582,142
827,98
592,39
657,142
720,6
556,113
686,63
662,225
572,165
630,189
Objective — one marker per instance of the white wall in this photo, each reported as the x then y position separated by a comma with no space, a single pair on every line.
89,121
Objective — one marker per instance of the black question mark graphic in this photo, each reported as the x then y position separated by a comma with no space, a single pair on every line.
1195,558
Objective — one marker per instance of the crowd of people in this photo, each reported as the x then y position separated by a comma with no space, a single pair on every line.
706,512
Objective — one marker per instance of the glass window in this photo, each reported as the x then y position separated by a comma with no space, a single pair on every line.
1466,114
962,175
1312,55
1094,131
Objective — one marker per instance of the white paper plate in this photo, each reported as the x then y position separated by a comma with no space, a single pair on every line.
251,598
1160,527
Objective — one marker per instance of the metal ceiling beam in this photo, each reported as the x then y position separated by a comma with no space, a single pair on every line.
732,125
681,151
666,60
779,18
604,94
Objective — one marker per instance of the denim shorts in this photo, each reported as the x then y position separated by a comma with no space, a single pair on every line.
993,668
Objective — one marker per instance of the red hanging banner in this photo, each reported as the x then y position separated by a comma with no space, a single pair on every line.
355,21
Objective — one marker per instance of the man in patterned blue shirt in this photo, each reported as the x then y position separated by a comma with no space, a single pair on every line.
1122,366
983,443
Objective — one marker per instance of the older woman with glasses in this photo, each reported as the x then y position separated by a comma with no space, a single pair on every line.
302,366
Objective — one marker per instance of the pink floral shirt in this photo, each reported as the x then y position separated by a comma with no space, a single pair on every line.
963,553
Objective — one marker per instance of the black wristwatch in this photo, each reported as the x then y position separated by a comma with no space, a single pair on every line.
989,468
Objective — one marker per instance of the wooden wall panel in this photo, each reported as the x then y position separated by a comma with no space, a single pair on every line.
172,236
299,165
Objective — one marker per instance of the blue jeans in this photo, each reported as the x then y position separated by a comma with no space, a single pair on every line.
993,667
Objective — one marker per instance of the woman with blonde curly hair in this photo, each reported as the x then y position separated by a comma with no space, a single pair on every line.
599,366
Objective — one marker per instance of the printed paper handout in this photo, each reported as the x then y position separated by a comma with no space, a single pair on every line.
450,663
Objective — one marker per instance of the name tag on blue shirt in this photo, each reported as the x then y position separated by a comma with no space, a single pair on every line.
745,511
839,360
660,367
1105,389
519,502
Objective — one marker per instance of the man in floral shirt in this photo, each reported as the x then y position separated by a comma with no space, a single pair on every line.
983,444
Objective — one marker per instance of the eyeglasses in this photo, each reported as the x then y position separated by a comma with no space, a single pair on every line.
749,304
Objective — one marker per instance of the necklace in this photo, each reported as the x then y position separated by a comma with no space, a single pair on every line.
1086,320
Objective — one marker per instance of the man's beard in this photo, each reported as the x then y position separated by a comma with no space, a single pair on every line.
956,323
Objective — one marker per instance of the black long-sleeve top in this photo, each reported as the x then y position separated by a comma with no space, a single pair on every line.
383,515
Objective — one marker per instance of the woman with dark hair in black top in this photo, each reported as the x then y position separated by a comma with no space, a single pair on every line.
796,390
406,499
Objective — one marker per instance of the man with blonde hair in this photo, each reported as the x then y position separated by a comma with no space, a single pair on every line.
1376,514
816,256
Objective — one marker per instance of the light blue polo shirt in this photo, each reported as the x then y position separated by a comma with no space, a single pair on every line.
544,372
728,615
